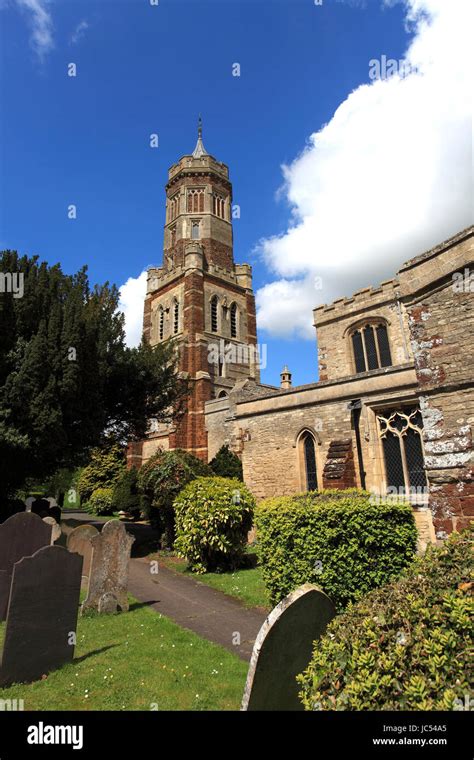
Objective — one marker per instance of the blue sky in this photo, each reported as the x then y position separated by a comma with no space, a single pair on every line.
145,69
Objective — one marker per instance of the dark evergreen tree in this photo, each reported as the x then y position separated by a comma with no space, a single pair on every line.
226,464
67,379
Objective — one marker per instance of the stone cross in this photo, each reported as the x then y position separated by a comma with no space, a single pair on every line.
283,649
108,577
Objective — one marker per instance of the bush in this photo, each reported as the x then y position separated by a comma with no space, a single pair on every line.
160,480
226,464
213,517
403,647
337,539
101,502
125,493
103,470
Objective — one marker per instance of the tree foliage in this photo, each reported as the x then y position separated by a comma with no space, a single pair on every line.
226,464
67,379
105,466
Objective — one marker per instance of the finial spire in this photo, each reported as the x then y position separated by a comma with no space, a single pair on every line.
199,150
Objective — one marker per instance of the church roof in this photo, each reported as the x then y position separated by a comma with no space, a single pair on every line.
199,150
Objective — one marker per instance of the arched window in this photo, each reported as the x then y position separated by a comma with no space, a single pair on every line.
310,462
195,229
175,317
195,201
401,433
222,394
233,320
214,305
370,346
161,323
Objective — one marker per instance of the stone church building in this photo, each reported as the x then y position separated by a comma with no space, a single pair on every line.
393,409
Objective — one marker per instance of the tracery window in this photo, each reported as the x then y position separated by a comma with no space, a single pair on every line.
173,207
218,205
371,347
400,431
195,200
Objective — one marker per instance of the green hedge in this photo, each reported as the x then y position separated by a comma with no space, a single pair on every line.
405,646
101,502
337,539
213,517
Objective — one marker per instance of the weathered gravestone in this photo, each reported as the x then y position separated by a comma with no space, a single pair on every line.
20,536
42,615
108,577
283,649
55,528
79,540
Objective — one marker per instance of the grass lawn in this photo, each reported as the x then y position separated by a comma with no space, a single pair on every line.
138,660
246,584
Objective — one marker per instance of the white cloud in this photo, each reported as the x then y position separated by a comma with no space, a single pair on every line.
132,296
41,23
79,32
387,178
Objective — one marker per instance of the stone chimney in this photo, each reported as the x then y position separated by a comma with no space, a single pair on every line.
285,378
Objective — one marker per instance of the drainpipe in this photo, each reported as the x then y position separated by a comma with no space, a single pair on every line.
355,407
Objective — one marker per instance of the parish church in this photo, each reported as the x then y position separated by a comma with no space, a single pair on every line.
393,409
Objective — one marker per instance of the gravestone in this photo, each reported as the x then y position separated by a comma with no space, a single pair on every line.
283,649
79,540
42,615
109,569
20,536
55,528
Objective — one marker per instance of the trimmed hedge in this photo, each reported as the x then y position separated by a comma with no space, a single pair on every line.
213,517
101,502
405,646
125,493
337,539
160,480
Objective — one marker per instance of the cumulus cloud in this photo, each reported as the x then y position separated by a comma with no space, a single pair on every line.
132,296
79,32
41,24
387,178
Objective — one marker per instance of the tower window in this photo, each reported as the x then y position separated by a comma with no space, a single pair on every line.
218,205
161,323
176,317
173,207
195,201
233,320
195,230
173,236
371,347
400,431
214,314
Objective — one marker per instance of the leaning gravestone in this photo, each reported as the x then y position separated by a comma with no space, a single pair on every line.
283,649
108,577
55,528
20,536
42,615
79,540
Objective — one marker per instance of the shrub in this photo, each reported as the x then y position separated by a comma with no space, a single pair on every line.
101,502
103,470
403,647
213,517
125,493
226,464
337,539
160,480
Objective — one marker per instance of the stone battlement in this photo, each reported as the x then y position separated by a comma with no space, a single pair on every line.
366,297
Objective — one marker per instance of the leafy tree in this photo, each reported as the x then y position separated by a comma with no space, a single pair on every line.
226,464
105,466
67,379
160,480
126,497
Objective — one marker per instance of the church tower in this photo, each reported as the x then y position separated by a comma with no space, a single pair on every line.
200,297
